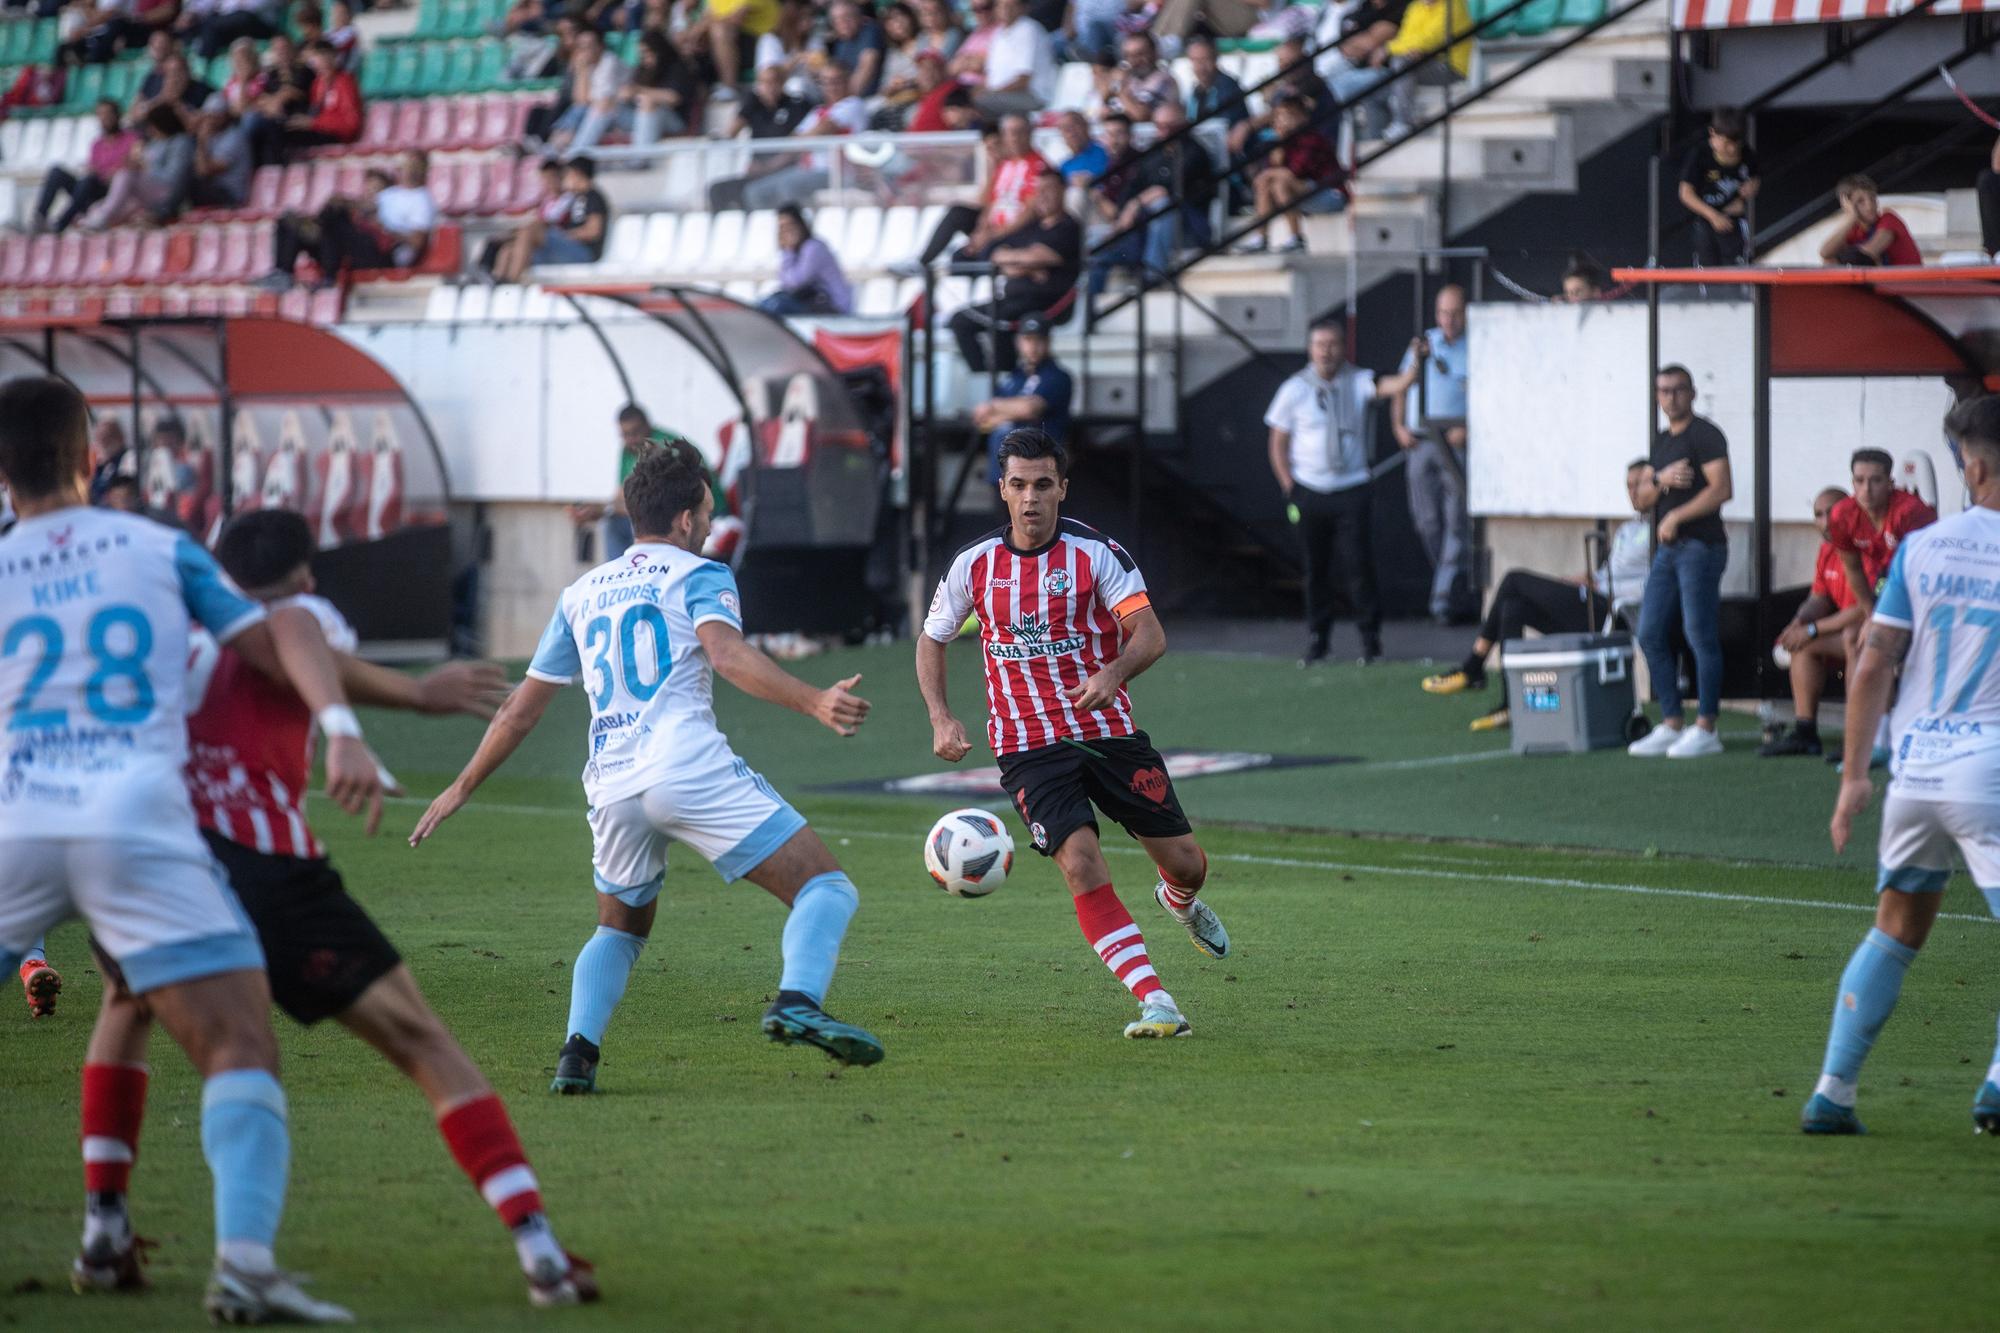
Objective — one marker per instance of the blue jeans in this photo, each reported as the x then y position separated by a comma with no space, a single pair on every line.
1152,247
1686,578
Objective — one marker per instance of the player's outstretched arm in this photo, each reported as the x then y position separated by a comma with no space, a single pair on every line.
948,739
291,648
1882,654
510,726
752,671
1145,644
477,688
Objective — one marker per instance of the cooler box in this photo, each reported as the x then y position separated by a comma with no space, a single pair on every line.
1568,693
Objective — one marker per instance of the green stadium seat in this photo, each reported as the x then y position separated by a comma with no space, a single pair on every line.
43,48
430,19
461,68
404,65
122,80
85,86
490,73
433,69
1537,17
15,36
1577,13
218,70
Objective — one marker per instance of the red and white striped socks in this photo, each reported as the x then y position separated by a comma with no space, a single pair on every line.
1118,941
483,1142
114,1106
1180,897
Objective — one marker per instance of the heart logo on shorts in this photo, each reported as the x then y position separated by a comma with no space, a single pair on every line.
1150,783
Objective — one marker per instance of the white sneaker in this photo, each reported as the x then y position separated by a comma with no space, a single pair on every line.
1655,742
1203,926
1159,1020
1695,743
237,1297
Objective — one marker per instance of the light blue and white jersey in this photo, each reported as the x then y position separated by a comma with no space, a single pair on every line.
627,630
1944,587
95,612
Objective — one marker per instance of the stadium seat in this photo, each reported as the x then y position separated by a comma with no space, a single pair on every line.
10,141
150,263
830,225
1073,87
899,239
206,258
68,264
320,188
498,123
468,114
265,187
656,254
725,241
350,179
690,252
121,256
538,305
511,186
759,247
409,122
442,305
743,289
876,296
506,303
473,303
94,261
13,258
378,131
296,187
624,249
864,231
435,133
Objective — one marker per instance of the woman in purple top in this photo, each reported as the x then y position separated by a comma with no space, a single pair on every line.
809,278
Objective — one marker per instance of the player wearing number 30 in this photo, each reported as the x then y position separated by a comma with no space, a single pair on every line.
642,633
1938,619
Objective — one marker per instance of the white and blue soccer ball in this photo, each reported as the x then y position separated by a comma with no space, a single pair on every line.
969,853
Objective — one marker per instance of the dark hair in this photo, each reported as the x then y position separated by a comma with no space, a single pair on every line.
323,46
1675,368
124,481
1975,424
1032,442
633,412
898,7
550,164
1583,266
1728,122
380,175
582,164
264,547
1290,100
1199,39
166,120
103,102
1847,184
308,12
170,425
1329,326
666,482
798,215
1872,455
1638,463
44,435
1118,116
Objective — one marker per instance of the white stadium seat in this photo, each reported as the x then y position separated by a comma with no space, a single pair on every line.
899,239
691,248
62,141
10,142
657,254
35,145
474,302
876,296
830,225
628,236
760,240
864,228
442,306
1073,87
506,304
743,289
725,242
538,305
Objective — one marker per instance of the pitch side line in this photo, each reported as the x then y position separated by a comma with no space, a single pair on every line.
1406,872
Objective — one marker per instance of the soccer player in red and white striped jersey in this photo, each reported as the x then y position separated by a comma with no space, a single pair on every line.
1065,622
250,760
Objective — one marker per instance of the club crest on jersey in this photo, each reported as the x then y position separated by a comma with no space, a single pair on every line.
730,604
1040,834
1056,583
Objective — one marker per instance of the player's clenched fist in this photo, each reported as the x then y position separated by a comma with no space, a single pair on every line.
839,708
1098,692
948,740
354,778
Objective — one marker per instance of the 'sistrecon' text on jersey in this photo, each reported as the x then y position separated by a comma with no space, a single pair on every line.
1944,587
94,625
1049,619
627,629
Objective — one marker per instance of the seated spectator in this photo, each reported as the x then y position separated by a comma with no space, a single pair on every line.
1020,64
525,18
551,206
597,81
929,110
575,236
212,31
1527,601
809,278
1249,137
1221,18
1213,92
1087,159
240,89
968,62
1718,181
34,86
1425,28
1358,61
223,159
558,57
1143,82
101,29
899,83
153,184
1090,29
1037,266
333,109
390,226
1013,169
1108,194
937,28
110,457
1867,233
854,42
789,44
1817,640
173,88
840,113
340,30
1584,281
1303,176
732,28
111,150
123,495
768,113
284,89
1167,208
1036,392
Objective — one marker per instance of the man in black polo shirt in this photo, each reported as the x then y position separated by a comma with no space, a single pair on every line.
1686,486
768,113
1036,266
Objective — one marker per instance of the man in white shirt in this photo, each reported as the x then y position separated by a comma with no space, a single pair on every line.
839,112
1319,455
390,227
1547,605
1020,65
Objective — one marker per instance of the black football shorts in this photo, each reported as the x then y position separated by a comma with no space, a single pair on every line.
1055,787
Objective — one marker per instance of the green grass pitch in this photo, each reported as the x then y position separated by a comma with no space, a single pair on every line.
1504,1043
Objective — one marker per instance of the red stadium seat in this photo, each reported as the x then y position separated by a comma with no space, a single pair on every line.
517,116
122,256
207,257
409,125
180,252
295,304
496,121
264,189
517,186
324,176
207,301
175,301
41,258
150,264
68,266
324,306
378,132
466,183
296,188
436,133
123,303
237,264
13,259
467,115
96,260
263,247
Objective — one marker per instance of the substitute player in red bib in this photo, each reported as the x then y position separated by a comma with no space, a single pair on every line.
1065,622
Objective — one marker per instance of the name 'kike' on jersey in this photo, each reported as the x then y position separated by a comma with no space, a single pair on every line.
1049,619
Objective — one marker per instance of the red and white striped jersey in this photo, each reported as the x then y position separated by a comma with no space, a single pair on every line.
250,745
1048,620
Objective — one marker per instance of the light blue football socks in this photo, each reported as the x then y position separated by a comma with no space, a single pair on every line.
598,982
1868,992
249,1151
821,910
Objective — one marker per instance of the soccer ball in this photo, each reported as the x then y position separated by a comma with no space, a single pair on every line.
969,853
